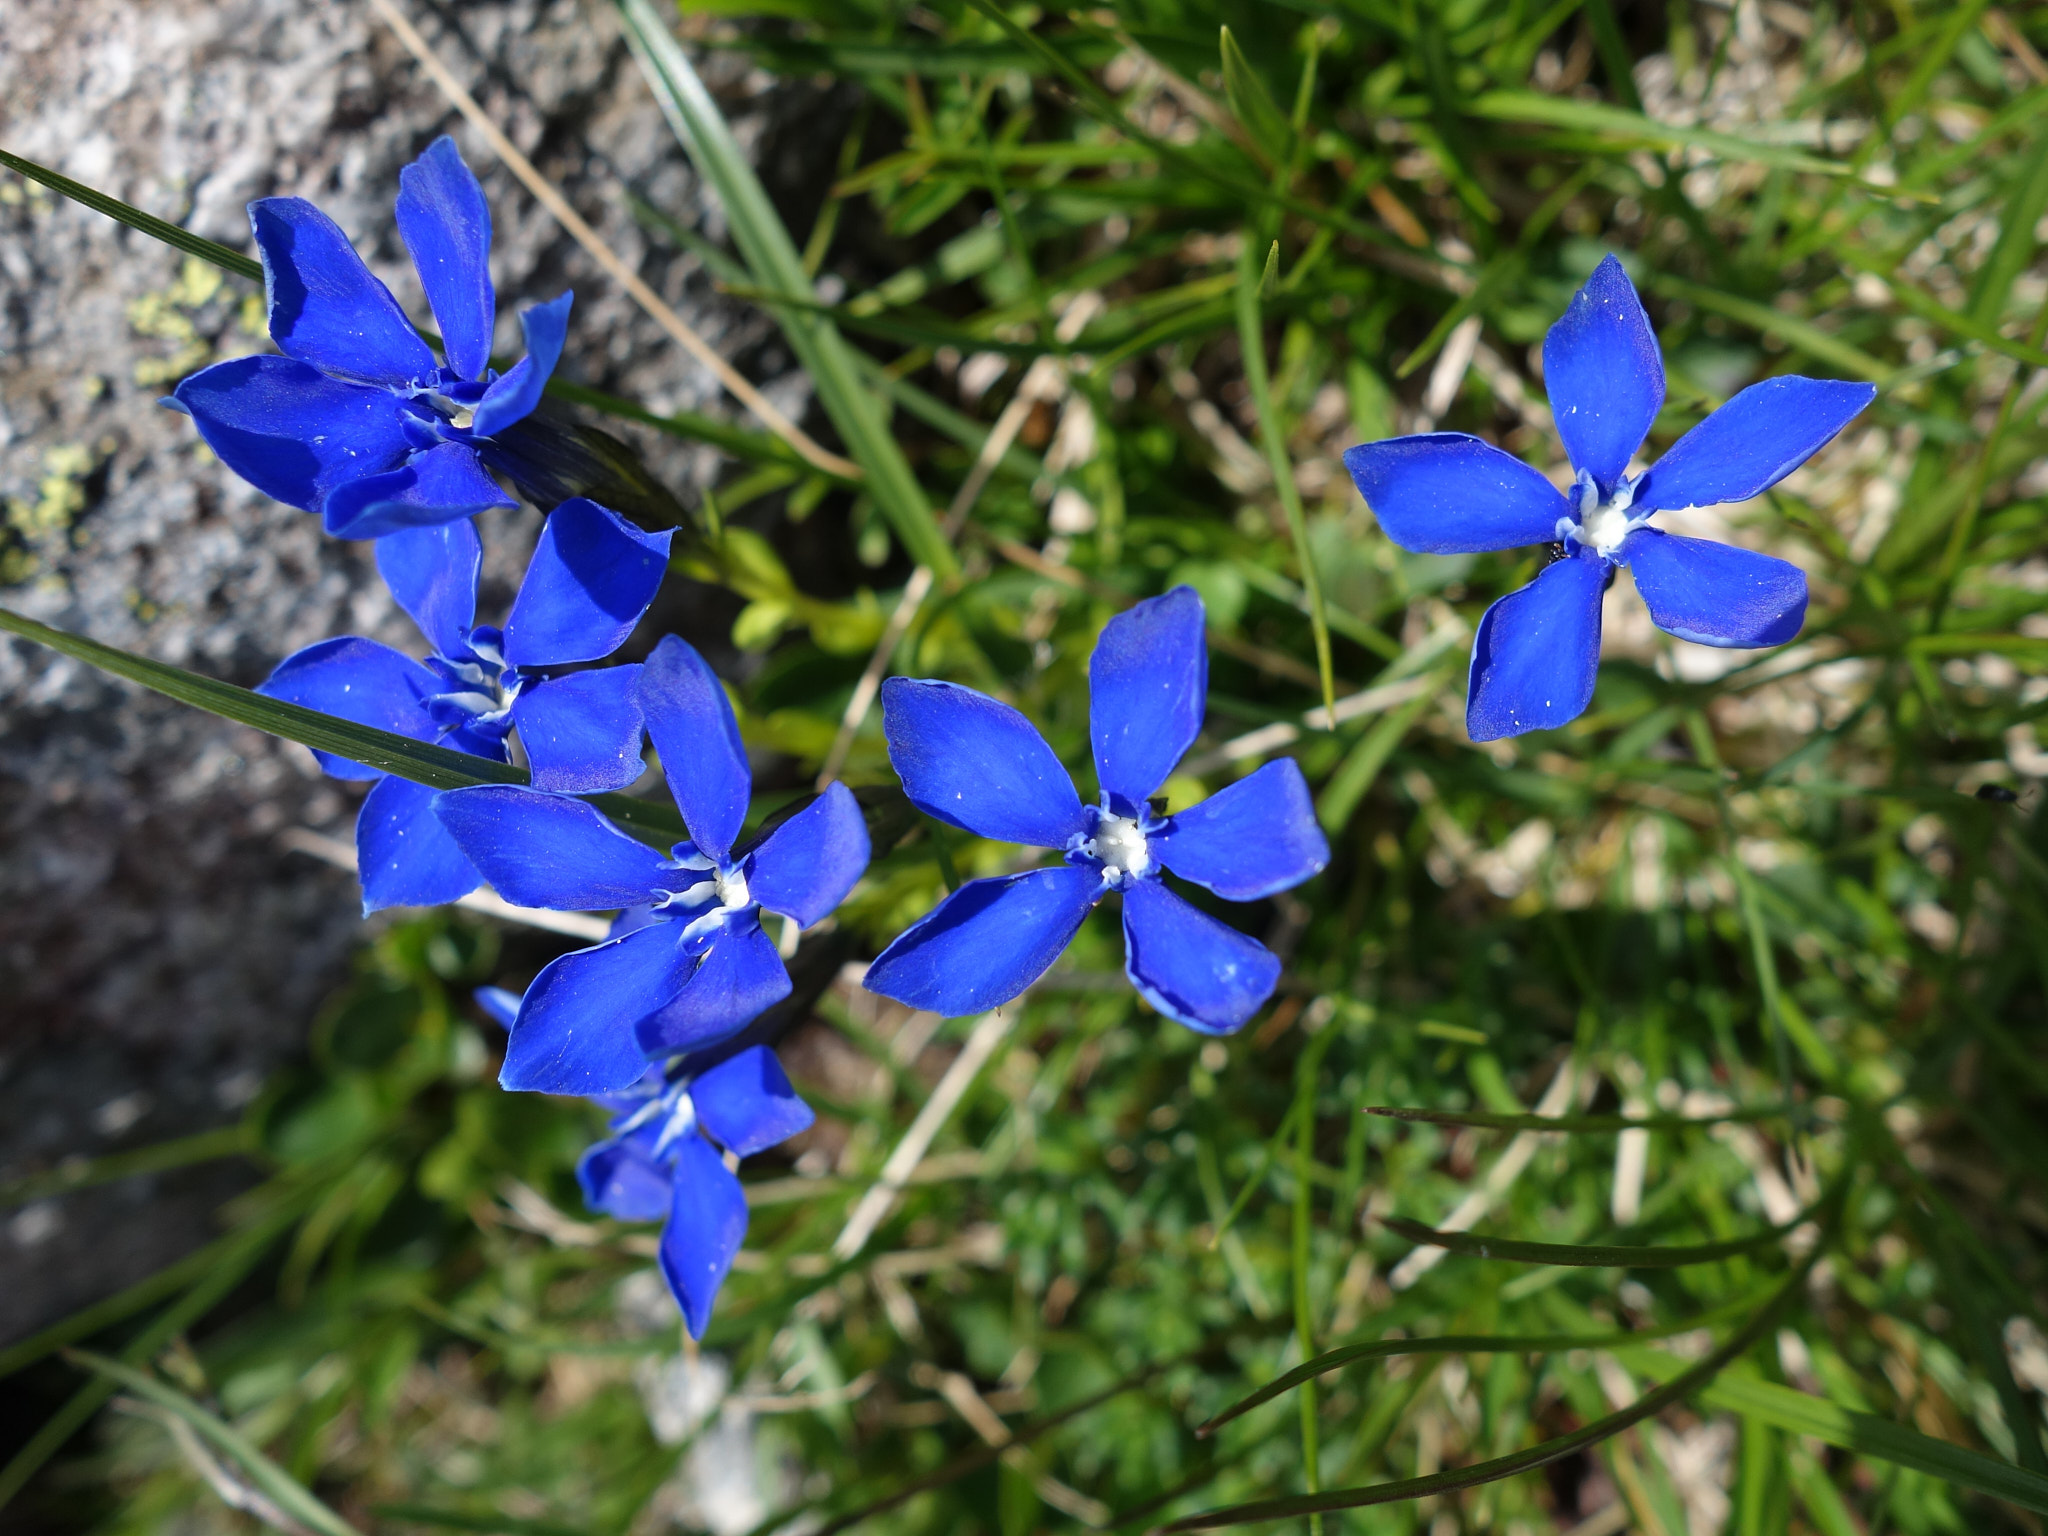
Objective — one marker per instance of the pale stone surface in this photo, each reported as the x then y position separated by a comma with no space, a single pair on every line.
151,936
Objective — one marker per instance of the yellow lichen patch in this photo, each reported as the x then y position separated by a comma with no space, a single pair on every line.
34,525
168,315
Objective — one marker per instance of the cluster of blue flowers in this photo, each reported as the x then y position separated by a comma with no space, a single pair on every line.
358,422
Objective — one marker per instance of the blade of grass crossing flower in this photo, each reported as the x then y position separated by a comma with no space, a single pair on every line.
147,223
1251,337
436,767
1580,1256
777,265
284,1490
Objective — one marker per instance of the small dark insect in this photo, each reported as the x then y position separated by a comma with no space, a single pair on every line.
1997,794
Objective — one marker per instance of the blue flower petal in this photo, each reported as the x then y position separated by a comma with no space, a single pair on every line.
1604,374
975,763
739,975
432,573
1445,493
987,941
691,723
446,226
1148,683
591,578
621,1181
1249,840
513,397
443,484
1536,652
1193,969
291,431
540,850
707,1222
1752,442
360,680
574,1033
328,309
746,1104
500,1004
403,854
1715,594
805,867
582,732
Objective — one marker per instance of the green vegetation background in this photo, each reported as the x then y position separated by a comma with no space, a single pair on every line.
1805,888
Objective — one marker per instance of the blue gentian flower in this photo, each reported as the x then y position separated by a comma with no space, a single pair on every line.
1534,658
977,764
688,963
592,576
357,421
661,1162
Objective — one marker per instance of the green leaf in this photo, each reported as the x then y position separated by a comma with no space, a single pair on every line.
1253,103
1578,1256
148,223
1801,1413
778,266
279,1486
436,767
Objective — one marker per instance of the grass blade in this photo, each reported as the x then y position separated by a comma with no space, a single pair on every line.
284,1490
203,1147
220,1267
147,223
434,766
1583,1124
1801,1413
778,266
1647,1406
1251,335
1578,1256
1464,1344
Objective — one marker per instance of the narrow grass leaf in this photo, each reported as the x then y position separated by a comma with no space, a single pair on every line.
147,223
1580,1256
777,265
1581,1124
1801,1413
434,766
1647,1406
283,1490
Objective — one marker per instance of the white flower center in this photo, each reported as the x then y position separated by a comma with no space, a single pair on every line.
1120,846
732,890
1602,525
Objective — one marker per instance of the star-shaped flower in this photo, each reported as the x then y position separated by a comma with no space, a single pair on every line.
357,421
688,964
975,763
591,578
661,1162
1534,658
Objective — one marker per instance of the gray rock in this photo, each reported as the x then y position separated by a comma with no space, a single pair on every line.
152,936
